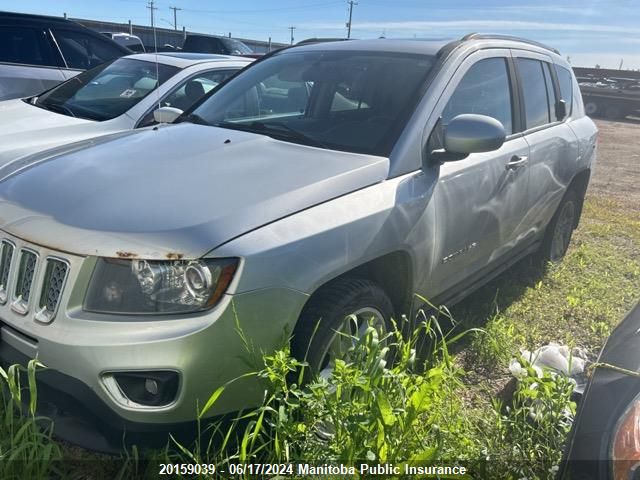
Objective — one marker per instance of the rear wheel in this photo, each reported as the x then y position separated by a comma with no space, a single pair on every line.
335,316
592,108
558,234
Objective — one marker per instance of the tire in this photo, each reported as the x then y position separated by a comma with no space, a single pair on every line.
326,313
592,108
557,236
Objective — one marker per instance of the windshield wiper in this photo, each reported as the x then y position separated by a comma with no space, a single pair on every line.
278,130
55,107
193,118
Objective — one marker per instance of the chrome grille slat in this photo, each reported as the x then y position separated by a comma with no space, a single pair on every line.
26,272
52,286
6,256
27,263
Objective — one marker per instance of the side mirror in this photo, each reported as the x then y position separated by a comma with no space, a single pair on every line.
561,110
470,133
166,114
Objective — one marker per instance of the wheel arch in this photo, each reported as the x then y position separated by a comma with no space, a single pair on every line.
393,272
579,184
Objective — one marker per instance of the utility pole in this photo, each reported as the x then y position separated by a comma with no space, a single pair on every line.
175,17
292,29
151,8
351,4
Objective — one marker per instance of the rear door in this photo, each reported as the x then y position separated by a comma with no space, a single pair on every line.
28,64
554,147
482,199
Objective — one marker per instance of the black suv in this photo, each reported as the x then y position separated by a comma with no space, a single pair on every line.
199,43
38,52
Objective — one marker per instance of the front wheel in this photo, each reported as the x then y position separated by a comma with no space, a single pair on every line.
336,316
558,234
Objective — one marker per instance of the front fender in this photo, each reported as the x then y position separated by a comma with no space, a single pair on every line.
308,249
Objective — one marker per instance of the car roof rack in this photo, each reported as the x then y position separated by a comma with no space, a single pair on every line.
487,36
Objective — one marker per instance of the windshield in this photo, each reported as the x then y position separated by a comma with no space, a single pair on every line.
107,91
236,47
344,100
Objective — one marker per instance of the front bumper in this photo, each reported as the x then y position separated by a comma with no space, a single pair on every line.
207,350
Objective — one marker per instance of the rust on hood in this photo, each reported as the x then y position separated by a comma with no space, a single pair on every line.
122,254
174,256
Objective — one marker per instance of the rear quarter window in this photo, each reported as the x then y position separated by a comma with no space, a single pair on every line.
565,79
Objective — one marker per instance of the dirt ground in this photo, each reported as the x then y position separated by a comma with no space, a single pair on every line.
617,172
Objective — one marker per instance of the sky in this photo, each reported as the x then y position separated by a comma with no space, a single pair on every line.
589,32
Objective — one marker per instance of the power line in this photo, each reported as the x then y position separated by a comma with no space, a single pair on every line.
351,4
175,17
292,29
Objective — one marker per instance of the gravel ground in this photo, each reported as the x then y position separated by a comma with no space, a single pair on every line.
617,172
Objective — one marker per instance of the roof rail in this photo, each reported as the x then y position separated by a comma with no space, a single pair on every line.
490,36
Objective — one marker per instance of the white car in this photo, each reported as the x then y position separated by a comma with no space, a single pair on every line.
119,95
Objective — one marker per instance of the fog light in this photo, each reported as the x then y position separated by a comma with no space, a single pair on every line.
146,389
151,386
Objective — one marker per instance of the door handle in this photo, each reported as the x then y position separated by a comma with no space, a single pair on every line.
517,161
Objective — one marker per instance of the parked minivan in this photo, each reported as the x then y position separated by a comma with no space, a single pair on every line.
37,52
312,194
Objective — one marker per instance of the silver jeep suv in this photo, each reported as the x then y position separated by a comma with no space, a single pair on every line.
324,180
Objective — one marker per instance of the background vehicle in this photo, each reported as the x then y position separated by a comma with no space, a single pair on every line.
199,43
117,95
38,52
132,42
326,180
605,440
612,94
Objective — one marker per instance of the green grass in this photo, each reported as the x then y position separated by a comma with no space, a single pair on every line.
577,302
450,406
26,449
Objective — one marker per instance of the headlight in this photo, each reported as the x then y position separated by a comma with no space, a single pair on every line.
155,286
625,451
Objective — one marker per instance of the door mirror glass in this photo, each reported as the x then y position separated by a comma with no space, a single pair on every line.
166,114
470,133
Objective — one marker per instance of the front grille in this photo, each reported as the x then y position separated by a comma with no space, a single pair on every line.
26,272
54,278
6,255
32,279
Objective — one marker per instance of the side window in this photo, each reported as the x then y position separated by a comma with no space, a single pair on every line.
348,96
27,46
566,86
84,51
536,103
188,93
484,90
280,96
551,93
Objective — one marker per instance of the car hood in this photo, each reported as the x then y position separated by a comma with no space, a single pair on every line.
170,192
25,129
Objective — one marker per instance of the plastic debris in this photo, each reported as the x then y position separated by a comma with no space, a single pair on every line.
559,359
